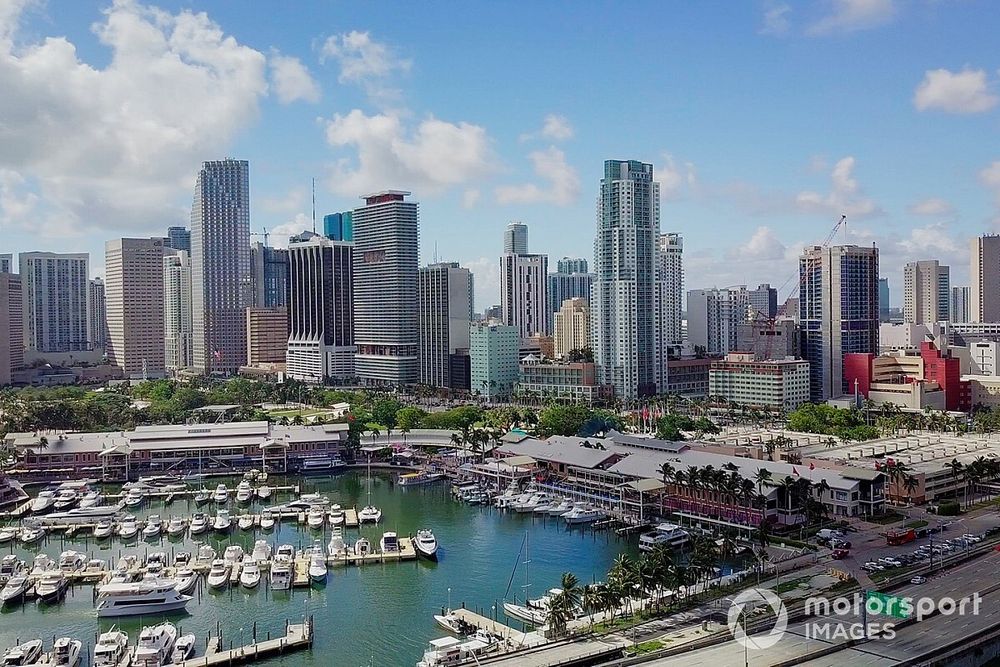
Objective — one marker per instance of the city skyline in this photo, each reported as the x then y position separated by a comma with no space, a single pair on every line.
772,177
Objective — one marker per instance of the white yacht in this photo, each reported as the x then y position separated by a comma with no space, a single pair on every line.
134,497
223,521
66,652
560,508
44,502
186,579
183,649
218,575
95,565
65,499
9,566
532,502
337,546
245,522
582,513
232,555
206,554
286,550
111,649
31,534
264,492
426,544
669,534
316,518
202,497
250,573
155,646
153,526
389,543
267,520
41,564
244,492
454,651
337,516
129,528
91,499
14,589
155,562
103,529
51,586
261,551
221,494
7,534
369,514
177,526
71,561
281,572
199,523
362,547
28,653
317,562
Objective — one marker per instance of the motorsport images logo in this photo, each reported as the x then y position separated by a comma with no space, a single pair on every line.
742,611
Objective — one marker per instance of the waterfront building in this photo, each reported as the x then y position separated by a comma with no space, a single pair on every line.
779,385
515,239
960,302
177,324
572,327
575,382
220,266
926,292
623,298
134,306
178,238
670,273
444,291
267,336
493,359
386,330
838,306
54,287
714,315
321,329
268,275
883,299
97,323
339,226
11,327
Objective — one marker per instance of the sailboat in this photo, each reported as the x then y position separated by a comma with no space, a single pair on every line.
369,513
528,612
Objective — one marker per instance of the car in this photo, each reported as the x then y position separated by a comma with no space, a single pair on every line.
840,553
837,543
918,580
972,538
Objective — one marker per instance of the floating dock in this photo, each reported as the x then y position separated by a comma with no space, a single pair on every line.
515,638
297,636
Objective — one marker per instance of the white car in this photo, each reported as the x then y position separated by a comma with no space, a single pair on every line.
918,580
972,538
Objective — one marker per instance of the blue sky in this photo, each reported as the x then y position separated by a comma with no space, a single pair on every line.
764,120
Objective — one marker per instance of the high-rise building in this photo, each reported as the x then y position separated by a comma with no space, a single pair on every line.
984,292
268,275
445,313
177,325
386,239
267,336
714,316
338,226
763,301
959,307
11,326
178,238
567,285
838,312
321,309
220,266
6,263
97,323
515,239
670,273
926,292
572,327
55,287
883,299
493,358
523,293
623,299
571,265
133,290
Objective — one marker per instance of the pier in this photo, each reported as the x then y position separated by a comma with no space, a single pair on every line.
515,638
297,636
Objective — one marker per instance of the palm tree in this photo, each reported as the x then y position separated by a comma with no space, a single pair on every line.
763,478
956,468
590,600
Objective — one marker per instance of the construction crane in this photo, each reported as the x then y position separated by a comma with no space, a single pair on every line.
263,233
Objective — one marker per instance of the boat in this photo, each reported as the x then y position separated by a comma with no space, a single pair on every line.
128,563
512,491
337,546
317,563
157,484
90,499
111,649
71,561
156,562
244,492
316,518
337,516
78,516
104,529
264,492
129,528
249,573
261,551
245,522
319,464
155,646
65,499
199,523
534,611
582,513
134,497
419,478
233,554
281,572
51,586
14,589
45,501
31,534
186,579
221,494
667,534
10,565
560,508
153,526
267,520
206,554
362,547
369,514
66,652
42,563
426,544
218,575
183,649
223,521
95,566
454,651
389,543
176,527
7,534
27,653
182,559
202,497
286,550
532,502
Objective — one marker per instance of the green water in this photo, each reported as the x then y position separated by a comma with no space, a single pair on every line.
376,614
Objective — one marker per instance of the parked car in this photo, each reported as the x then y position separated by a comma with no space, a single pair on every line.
918,580
840,553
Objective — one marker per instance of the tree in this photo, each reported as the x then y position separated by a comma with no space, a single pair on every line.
384,411
408,419
585,354
562,419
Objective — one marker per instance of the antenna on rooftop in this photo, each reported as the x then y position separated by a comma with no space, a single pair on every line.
314,204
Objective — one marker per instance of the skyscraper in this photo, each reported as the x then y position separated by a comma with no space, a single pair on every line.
567,284
493,357
623,302
386,239
177,316
445,313
55,287
220,266
984,292
97,323
838,308
714,316
11,326
515,239
179,238
338,226
134,306
523,293
571,265
268,275
321,324
926,292
959,309
6,263
883,299
763,301
670,273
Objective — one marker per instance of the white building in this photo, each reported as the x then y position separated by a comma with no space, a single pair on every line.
133,292
177,327
493,359
714,315
97,324
984,292
220,266
572,327
960,302
774,384
54,289
523,293
984,356
445,293
926,292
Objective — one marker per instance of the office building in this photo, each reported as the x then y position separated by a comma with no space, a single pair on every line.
11,327
493,359
133,291
6,263
984,292
220,266
688,377
177,317
779,385
763,302
623,299
267,336
338,226
574,382
515,239
55,287
444,291
567,285
572,327
268,275
524,293
926,292
321,333
494,312
883,299
769,339
571,265
178,238
838,306
713,318
960,302
97,323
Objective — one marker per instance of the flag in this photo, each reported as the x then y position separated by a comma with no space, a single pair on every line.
795,471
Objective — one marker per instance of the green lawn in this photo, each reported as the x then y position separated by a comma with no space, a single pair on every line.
645,647
919,523
887,518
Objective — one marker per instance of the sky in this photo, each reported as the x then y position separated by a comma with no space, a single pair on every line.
765,122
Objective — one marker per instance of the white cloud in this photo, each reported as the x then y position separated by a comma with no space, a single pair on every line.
933,207
775,20
563,183
963,92
109,149
930,241
763,245
554,128
486,279
853,15
990,177
433,157
470,198
845,195
365,62
674,178
294,200
278,237
292,81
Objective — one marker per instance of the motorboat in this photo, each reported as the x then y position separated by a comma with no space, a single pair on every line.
316,464
129,528
182,559
264,492
186,579
244,492
281,572
95,566
9,566
66,652
337,516
156,562
51,586
233,554
317,563
31,534
90,499
221,494
45,501
511,493
582,513
128,563
544,506
206,554
111,649
267,520
316,518
362,547
250,573
7,534
199,523
155,646
426,544
65,499
157,484
202,497
72,561
419,478
153,527
14,589
337,546
218,575
667,534
311,499
454,651
286,550
183,649
104,529
223,521
560,508
245,522
261,551
369,514
177,526
532,502
28,653
389,543
134,497
41,564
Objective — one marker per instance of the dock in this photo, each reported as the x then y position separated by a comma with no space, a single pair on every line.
406,552
515,638
301,577
297,636
351,517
